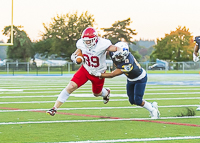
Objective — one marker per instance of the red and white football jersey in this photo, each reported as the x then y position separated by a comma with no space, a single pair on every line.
95,58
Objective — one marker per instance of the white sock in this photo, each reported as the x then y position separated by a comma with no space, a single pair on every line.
148,106
104,92
55,108
63,96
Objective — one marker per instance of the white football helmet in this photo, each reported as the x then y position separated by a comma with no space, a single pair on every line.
89,37
121,56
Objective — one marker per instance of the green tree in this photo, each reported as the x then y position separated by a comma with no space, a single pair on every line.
120,32
62,33
176,46
22,48
136,54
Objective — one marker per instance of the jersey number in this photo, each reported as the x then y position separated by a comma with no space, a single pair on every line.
91,61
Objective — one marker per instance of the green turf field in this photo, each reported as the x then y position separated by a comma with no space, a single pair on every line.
84,118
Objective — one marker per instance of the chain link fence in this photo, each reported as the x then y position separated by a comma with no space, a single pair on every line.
13,68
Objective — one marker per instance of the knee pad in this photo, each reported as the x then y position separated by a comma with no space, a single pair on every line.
63,96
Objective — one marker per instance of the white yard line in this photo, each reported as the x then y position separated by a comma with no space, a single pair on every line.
82,95
90,95
138,140
97,120
89,86
97,108
89,89
11,89
90,100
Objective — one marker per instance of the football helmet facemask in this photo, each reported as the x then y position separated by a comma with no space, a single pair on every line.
121,56
89,37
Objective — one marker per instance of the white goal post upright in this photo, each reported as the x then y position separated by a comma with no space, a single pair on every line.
11,42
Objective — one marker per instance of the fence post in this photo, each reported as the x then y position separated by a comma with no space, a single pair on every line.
146,66
13,71
28,67
68,66
36,70
48,68
61,70
7,68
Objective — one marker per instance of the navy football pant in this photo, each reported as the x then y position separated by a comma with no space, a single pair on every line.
135,90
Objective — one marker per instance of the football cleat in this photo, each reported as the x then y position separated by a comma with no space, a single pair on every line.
106,98
198,109
155,114
51,111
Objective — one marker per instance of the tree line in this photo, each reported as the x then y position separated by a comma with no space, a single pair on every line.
60,36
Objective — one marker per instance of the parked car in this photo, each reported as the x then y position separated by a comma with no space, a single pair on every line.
157,67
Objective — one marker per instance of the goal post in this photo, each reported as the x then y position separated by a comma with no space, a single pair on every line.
11,42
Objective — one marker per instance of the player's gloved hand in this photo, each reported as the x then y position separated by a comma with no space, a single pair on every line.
73,57
117,53
195,58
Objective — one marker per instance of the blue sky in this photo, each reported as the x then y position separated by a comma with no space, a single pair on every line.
151,19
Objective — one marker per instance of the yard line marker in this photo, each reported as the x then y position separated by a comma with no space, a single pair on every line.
138,140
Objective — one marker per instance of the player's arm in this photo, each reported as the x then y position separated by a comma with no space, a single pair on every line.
116,72
77,51
114,48
196,49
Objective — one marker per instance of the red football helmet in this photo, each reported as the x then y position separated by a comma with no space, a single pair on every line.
89,37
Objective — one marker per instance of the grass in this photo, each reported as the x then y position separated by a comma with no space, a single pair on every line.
79,120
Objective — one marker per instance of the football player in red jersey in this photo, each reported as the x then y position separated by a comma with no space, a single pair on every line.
93,49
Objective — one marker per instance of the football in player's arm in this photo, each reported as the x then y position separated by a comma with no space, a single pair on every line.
125,63
91,50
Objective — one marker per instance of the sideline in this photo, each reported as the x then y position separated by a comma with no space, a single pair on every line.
139,140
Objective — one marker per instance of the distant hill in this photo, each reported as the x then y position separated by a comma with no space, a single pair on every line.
146,44
142,44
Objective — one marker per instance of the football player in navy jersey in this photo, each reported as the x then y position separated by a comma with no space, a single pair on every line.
125,63
196,49
196,55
